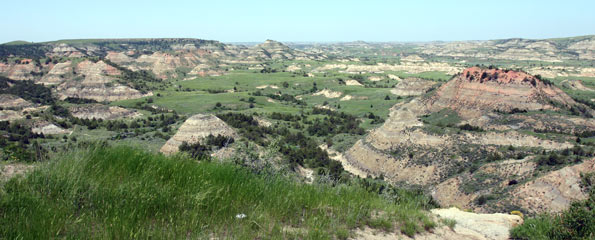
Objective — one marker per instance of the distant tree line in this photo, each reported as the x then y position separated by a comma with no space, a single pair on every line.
24,50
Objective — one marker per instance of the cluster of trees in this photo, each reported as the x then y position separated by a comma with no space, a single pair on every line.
27,90
565,156
76,100
268,70
287,98
545,81
334,123
587,102
16,151
578,133
218,141
280,97
303,150
214,91
469,127
375,119
17,143
314,88
285,117
60,111
247,126
15,132
298,148
202,150
358,77
580,110
162,121
196,150
24,50
301,73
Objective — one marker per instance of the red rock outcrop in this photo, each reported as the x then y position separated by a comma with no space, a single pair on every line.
477,91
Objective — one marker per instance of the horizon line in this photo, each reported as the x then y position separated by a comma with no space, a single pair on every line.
290,41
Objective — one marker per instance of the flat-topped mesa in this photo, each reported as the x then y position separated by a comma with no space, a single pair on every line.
477,74
477,91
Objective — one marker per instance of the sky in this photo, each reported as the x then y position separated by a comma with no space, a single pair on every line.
296,21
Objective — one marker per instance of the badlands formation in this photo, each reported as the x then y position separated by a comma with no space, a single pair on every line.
404,150
97,84
482,139
98,80
196,128
98,111
412,87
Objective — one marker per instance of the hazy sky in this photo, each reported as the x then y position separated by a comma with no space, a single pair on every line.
305,20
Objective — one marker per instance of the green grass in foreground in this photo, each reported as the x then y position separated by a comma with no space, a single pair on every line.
126,193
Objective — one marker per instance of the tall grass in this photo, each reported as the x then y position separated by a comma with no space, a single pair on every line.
123,193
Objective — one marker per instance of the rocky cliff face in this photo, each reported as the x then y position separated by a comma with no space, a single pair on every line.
20,71
477,91
57,74
553,192
98,111
412,87
408,149
13,102
96,81
201,58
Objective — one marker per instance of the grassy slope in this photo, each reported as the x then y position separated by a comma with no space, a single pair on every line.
126,193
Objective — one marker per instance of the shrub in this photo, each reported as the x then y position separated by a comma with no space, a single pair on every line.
219,140
551,160
196,150
468,127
